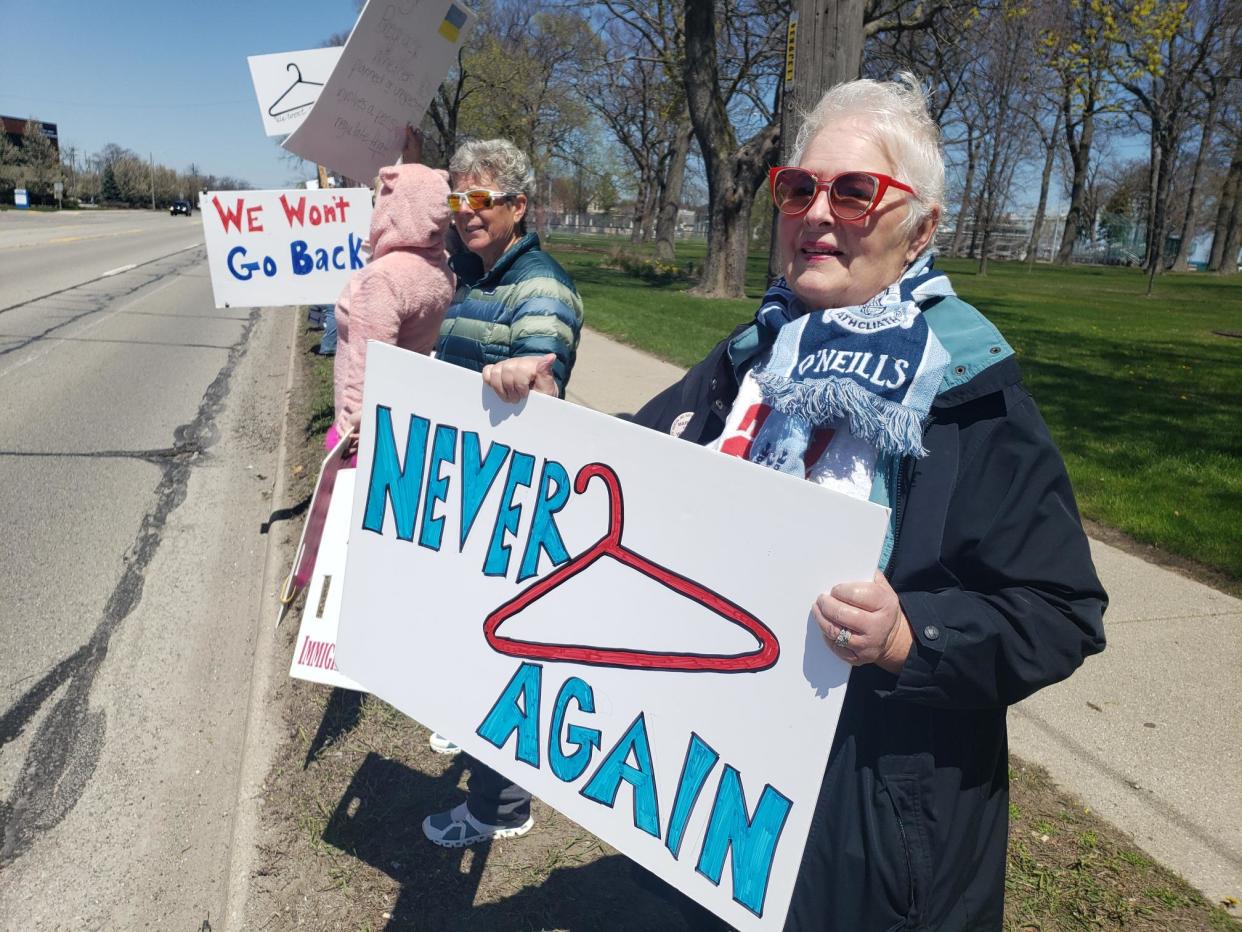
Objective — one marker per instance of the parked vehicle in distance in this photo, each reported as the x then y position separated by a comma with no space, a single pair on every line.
180,207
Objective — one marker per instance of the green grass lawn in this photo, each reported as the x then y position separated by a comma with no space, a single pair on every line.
1142,395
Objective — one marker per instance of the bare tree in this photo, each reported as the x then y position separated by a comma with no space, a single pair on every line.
1220,68
1228,230
1003,96
1048,139
1158,67
1080,45
622,86
645,33
717,87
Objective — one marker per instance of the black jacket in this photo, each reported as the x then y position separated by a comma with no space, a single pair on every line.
988,556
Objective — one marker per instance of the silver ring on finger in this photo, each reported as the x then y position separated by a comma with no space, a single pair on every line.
843,638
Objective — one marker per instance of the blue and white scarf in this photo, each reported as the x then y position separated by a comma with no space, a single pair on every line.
876,366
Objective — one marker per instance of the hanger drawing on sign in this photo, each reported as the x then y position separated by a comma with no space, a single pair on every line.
761,658
271,111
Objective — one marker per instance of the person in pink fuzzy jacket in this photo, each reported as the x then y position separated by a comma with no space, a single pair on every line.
400,296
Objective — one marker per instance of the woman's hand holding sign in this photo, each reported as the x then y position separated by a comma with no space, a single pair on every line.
863,623
513,379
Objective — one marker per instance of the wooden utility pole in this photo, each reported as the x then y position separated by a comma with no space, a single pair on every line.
823,47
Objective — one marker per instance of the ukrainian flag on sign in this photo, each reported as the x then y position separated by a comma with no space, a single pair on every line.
454,19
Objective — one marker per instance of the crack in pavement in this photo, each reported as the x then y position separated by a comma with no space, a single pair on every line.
66,748
158,457
214,346
101,303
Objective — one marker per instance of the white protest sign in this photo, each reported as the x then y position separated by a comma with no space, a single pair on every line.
315,648
288,83
616,620
394,61
271,248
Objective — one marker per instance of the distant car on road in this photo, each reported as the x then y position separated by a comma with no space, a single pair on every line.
180,207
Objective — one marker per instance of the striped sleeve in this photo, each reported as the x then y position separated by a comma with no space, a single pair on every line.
547,319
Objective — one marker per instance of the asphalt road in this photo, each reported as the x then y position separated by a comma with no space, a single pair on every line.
138,455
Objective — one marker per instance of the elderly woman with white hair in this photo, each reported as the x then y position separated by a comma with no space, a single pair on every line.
862,371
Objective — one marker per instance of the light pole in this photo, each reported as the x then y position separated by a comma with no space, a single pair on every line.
151,157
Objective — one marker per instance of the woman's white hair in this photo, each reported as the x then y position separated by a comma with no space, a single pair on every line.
894,115
497,159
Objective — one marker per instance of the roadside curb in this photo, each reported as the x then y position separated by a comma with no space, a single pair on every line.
260,739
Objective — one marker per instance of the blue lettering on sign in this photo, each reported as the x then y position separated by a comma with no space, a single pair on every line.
247,269
700,759
521,470
748,841
304,260
393,480
570,767
603,786
507,716
443,448
300,257
751,842
544,535
477,475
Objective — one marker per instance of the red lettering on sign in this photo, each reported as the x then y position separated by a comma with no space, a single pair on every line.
294,213
229,216
252,219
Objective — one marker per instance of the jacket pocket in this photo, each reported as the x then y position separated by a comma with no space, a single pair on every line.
906,795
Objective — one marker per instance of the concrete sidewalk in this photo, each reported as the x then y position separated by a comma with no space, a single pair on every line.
1148,734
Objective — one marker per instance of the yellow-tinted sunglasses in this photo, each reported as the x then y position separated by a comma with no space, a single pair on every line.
478,199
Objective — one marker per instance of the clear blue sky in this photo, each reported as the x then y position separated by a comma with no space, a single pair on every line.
169,79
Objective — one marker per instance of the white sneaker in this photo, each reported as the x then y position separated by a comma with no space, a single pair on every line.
457,828
442,745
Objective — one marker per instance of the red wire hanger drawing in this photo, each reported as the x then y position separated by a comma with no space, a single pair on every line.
761,658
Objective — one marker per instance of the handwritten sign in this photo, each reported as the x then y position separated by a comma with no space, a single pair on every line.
394,61
314,651
270,248
616,620
287,84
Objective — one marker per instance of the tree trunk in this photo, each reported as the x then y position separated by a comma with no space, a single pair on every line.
1233,239
733,172
641,199
1080,157
670,195
1226,215
959,229
1037,228
976,228
1191,220
649,212
1154,157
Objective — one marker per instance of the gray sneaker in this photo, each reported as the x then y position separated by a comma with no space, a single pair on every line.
457,828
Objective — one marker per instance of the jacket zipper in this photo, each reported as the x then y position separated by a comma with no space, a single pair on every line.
905,847
899,507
